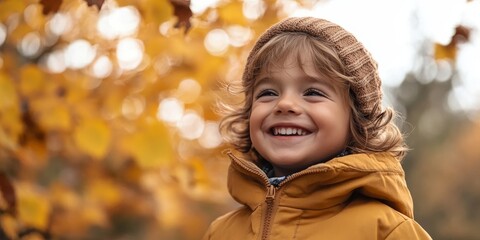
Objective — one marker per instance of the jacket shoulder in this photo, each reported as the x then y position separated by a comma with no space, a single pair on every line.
229,223
395,225
409,229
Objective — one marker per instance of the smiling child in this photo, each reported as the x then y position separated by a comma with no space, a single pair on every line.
318,157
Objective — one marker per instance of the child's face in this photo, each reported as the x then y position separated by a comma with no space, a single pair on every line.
299,118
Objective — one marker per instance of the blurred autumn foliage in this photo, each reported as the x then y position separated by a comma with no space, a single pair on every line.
108,131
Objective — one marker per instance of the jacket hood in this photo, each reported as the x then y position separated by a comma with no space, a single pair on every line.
378,176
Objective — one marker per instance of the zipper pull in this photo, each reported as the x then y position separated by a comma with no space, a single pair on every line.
270,193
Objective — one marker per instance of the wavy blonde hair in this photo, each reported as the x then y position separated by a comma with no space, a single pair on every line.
371,132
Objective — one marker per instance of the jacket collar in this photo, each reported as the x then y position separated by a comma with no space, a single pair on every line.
324,185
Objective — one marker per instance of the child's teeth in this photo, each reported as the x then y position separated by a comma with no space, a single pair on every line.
289,131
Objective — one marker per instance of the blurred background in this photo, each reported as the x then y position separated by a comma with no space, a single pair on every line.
107,109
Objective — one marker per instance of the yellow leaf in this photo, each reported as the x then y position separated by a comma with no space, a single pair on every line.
93,136
155,45
8,8
33,207
232,13
448,52
32,80
150,146
157,11
8,95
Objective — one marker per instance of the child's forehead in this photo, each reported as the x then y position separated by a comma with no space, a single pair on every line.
304,62
313,71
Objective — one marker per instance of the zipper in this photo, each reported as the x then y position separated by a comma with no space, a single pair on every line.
270,197
271,190
269,212
262,175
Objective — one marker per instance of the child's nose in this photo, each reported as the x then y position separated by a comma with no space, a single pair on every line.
287,104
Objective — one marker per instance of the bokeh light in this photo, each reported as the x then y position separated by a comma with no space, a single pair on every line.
210,137
191,125
238,35
216,42
162,64
79,54
59,24
199,6
133,106
3,33
55,61
444,70
129,53
189,90
30,45
102,67
118,22
439,24
253,9
170,110
31,14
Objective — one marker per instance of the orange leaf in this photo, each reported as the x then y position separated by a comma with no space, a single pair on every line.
50,6
183,12
98,3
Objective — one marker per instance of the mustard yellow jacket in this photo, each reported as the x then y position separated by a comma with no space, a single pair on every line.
358,196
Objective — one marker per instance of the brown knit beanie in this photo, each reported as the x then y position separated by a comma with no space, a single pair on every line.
357,60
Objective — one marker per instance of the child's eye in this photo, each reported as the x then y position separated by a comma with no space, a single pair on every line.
313,92
266,93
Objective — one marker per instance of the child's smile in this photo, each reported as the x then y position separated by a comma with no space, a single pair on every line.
298,117
288,133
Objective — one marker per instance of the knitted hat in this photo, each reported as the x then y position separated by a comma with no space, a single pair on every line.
357,60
